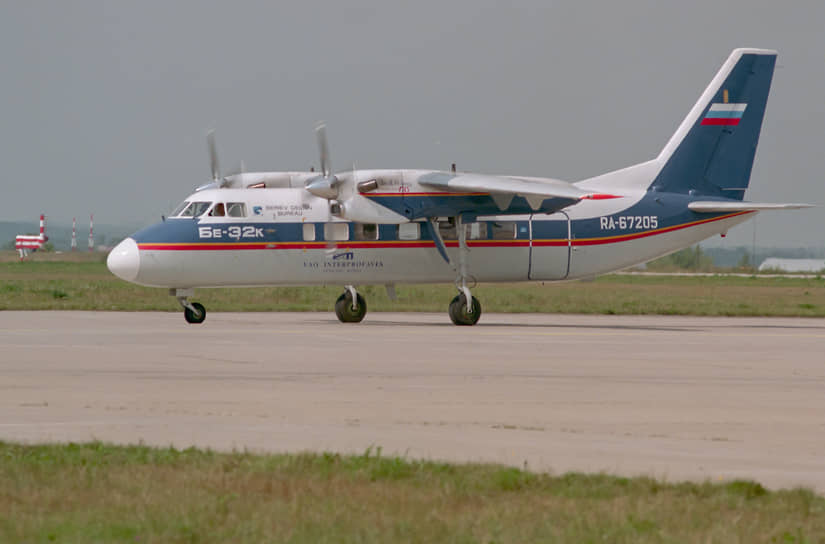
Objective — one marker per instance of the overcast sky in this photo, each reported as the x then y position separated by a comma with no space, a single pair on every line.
106,104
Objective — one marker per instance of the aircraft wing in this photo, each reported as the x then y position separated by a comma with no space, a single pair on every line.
721,206
532,189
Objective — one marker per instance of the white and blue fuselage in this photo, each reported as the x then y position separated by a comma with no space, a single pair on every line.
288,237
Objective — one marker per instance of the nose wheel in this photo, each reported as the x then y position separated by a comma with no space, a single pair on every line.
350,306
196,314
193,312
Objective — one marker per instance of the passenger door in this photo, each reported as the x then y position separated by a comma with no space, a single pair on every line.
549,246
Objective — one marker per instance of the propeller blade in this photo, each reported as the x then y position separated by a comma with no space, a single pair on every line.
321,133
213,156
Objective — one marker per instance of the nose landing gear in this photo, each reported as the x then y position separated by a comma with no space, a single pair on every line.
350,306
193,312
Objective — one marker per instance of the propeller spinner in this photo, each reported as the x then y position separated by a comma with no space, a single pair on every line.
325,185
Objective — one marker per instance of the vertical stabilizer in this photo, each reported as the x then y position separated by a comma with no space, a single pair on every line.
712,151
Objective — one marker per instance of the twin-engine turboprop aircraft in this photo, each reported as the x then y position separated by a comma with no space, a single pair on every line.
425,226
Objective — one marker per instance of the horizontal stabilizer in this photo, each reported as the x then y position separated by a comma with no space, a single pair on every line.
721,207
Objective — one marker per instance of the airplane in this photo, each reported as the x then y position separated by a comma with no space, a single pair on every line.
396,226
25,244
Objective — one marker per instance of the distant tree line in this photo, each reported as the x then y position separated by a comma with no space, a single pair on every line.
690,259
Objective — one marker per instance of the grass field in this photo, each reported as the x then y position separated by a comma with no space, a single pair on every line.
84,283
102,493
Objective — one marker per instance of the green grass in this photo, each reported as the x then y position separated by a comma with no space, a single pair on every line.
98,492
88,285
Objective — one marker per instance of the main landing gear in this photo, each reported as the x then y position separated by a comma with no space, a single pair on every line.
465,309
462,313
193,312
350,306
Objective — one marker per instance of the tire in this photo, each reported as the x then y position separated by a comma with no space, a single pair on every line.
190,316
344,311
458,311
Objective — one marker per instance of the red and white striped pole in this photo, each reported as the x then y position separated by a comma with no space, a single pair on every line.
42,227
74,233
91,232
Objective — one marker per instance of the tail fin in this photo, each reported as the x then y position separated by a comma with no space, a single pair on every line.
712,151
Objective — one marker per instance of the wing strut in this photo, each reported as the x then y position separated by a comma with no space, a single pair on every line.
439,242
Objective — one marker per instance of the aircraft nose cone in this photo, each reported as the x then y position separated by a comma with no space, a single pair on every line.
124,260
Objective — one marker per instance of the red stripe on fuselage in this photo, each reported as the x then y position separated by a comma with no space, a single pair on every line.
370,244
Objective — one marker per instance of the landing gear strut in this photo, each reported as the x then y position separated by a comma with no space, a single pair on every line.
350,306
193,312
465,309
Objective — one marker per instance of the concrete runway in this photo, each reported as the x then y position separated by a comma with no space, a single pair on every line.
671,397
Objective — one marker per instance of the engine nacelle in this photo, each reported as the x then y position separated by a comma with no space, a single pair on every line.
362,210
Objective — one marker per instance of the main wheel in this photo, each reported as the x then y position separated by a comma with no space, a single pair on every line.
191,317
344,311
458,310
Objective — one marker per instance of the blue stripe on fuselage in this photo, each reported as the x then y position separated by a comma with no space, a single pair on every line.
669,209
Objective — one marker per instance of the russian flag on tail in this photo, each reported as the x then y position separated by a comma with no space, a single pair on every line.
724,114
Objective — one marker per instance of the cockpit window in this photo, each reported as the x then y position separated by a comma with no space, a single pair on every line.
195,209
179,209
236,209
218,210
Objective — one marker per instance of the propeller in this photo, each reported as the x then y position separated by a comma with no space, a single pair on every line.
235,178
213,156
321,134
218,181
325,185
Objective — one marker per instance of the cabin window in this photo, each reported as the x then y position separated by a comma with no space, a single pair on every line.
236,209
409,231
365,231
218,210
309,232
195,209
476,231
336,231
504,230
447,230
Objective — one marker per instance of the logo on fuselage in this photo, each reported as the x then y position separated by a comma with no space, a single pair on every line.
343,261
344,256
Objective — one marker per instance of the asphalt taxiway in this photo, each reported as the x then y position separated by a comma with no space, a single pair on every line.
672,397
